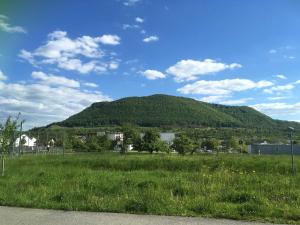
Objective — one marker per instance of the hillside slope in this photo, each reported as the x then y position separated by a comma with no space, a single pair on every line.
165,110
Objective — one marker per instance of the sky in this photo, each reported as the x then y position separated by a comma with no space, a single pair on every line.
58,57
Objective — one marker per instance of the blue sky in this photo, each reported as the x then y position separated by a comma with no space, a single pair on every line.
57,58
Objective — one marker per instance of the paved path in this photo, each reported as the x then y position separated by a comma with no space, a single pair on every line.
24,216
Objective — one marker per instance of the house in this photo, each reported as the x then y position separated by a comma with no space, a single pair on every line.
167,137
25,141
118,136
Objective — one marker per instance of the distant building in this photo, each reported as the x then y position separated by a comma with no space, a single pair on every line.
167,137
268,149
118,136
25,141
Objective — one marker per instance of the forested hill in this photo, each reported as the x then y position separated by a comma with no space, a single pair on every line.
171,111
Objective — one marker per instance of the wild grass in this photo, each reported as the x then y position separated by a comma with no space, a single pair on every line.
225,186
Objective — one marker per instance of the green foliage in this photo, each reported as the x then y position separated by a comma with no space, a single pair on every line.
151,141
183,144
8,135
210,144
233,143
131,137
171,111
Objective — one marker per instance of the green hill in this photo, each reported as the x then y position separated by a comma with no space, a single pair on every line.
171,111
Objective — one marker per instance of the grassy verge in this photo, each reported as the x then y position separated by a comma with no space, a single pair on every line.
225,186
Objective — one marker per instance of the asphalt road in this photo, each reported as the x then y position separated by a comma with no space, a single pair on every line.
24,216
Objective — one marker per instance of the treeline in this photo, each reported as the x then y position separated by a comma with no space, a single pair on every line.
147,140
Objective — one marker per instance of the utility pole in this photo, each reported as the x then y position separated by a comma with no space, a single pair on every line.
292,149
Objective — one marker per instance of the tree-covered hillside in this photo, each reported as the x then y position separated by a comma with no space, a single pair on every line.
171,111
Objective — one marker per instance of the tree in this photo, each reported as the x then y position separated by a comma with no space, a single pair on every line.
183,144
233,143
151,141
210,144
131,136
7,137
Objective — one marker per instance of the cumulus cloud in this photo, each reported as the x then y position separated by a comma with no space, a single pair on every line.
108,39
43,102
187,70
278,108
6,27
151,39
222,87
2,76
53,80
236,101
83,54
281,76
139,20
214,98
153,74
279,89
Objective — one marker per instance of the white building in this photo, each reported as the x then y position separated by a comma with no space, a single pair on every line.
27,141
116,136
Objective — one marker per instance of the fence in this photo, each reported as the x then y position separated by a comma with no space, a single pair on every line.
273,149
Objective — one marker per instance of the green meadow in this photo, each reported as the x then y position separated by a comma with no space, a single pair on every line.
245,187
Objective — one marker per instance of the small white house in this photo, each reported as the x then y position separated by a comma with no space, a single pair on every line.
27,141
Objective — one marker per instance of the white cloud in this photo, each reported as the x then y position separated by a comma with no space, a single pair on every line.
222,87
289,57
278,108
236,101
272,51
82,54
153,74
297,82
187,70
2,76
276,98
151,39
130,26
130,2
139,20
214,98
109,39
42,103
6,27
89,84
279,88
224,100
281,76
52,80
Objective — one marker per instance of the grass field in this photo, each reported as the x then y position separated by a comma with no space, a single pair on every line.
228,186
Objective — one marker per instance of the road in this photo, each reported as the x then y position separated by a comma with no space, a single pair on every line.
24,216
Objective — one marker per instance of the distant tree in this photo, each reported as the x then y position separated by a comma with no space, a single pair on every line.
183,144
151,141
78,144
98,144
8,132
233,143
131,136
210,144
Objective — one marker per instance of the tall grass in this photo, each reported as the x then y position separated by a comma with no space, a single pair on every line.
228,186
